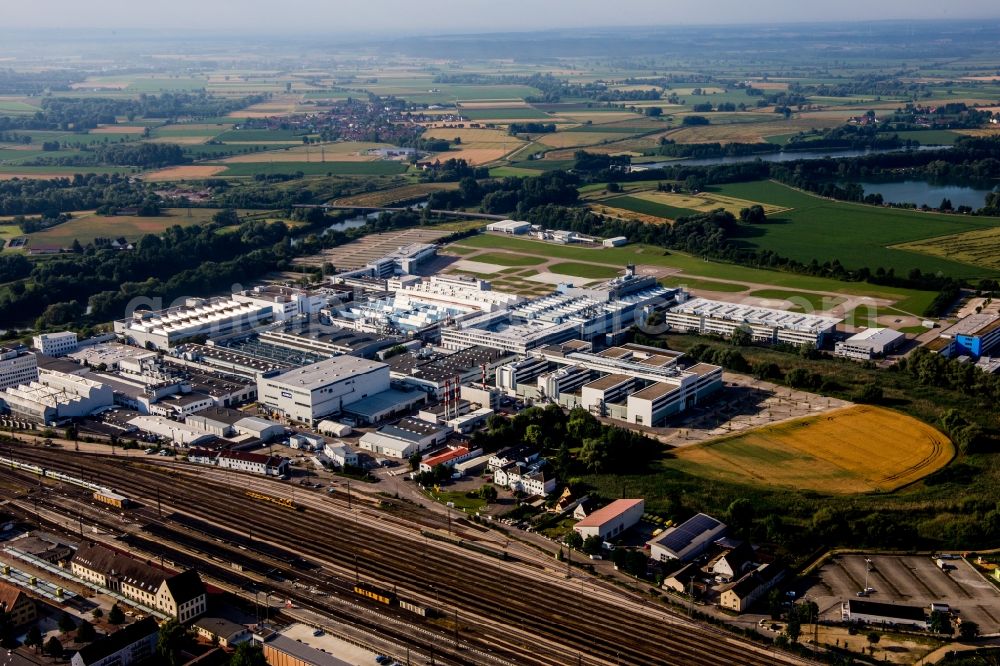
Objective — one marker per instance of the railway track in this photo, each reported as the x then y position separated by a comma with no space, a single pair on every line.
567,626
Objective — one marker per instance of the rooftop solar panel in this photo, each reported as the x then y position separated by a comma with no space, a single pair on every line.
685,533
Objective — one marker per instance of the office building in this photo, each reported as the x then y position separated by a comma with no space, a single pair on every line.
17,366
56,344
765,325
976,335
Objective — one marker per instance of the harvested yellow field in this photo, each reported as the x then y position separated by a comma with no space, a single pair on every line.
327,152
851,450
983,131
705,202
479,154
118,129
980,247
575,139
189,172
622,214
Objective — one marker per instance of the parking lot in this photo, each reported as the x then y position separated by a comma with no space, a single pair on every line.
912,580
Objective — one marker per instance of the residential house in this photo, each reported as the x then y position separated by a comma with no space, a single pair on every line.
18,606
133,644
745,591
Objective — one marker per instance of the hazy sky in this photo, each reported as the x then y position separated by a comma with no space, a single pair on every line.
427,16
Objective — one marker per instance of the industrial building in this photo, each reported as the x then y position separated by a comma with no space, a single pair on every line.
310,393
873,612
403,439
633,383
341,455
180,434
687,540
328,341
612,520
974,336
198,318
765,325
616,241
511,227
56,396
587,314
56,344
17,366
285,302
218,421
870,343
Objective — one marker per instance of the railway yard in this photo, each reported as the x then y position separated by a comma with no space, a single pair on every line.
413,583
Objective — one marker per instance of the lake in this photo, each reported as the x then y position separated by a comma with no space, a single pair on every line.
921,192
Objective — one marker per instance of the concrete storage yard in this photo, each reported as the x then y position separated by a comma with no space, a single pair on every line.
911,580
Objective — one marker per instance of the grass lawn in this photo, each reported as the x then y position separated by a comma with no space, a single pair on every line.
707,285
693,266
508,259
584,270
380,168
460,499
854,234
802,299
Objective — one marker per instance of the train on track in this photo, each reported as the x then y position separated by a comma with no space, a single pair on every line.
101,493
280,501
391,599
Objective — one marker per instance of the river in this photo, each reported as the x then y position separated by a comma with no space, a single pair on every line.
784,156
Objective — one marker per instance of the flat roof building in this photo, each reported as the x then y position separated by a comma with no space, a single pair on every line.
870,343
873,612
404,438
976,335
56,344
17,366
765,325
310,393
511,227
612,520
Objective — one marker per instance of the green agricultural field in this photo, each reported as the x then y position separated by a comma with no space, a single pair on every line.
508,259
156,85
242,169
181,130
928,137
38,137
544,165
254,136
644,207
584,270
208,150
61,171
510,113
854,234
695,267
10,107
